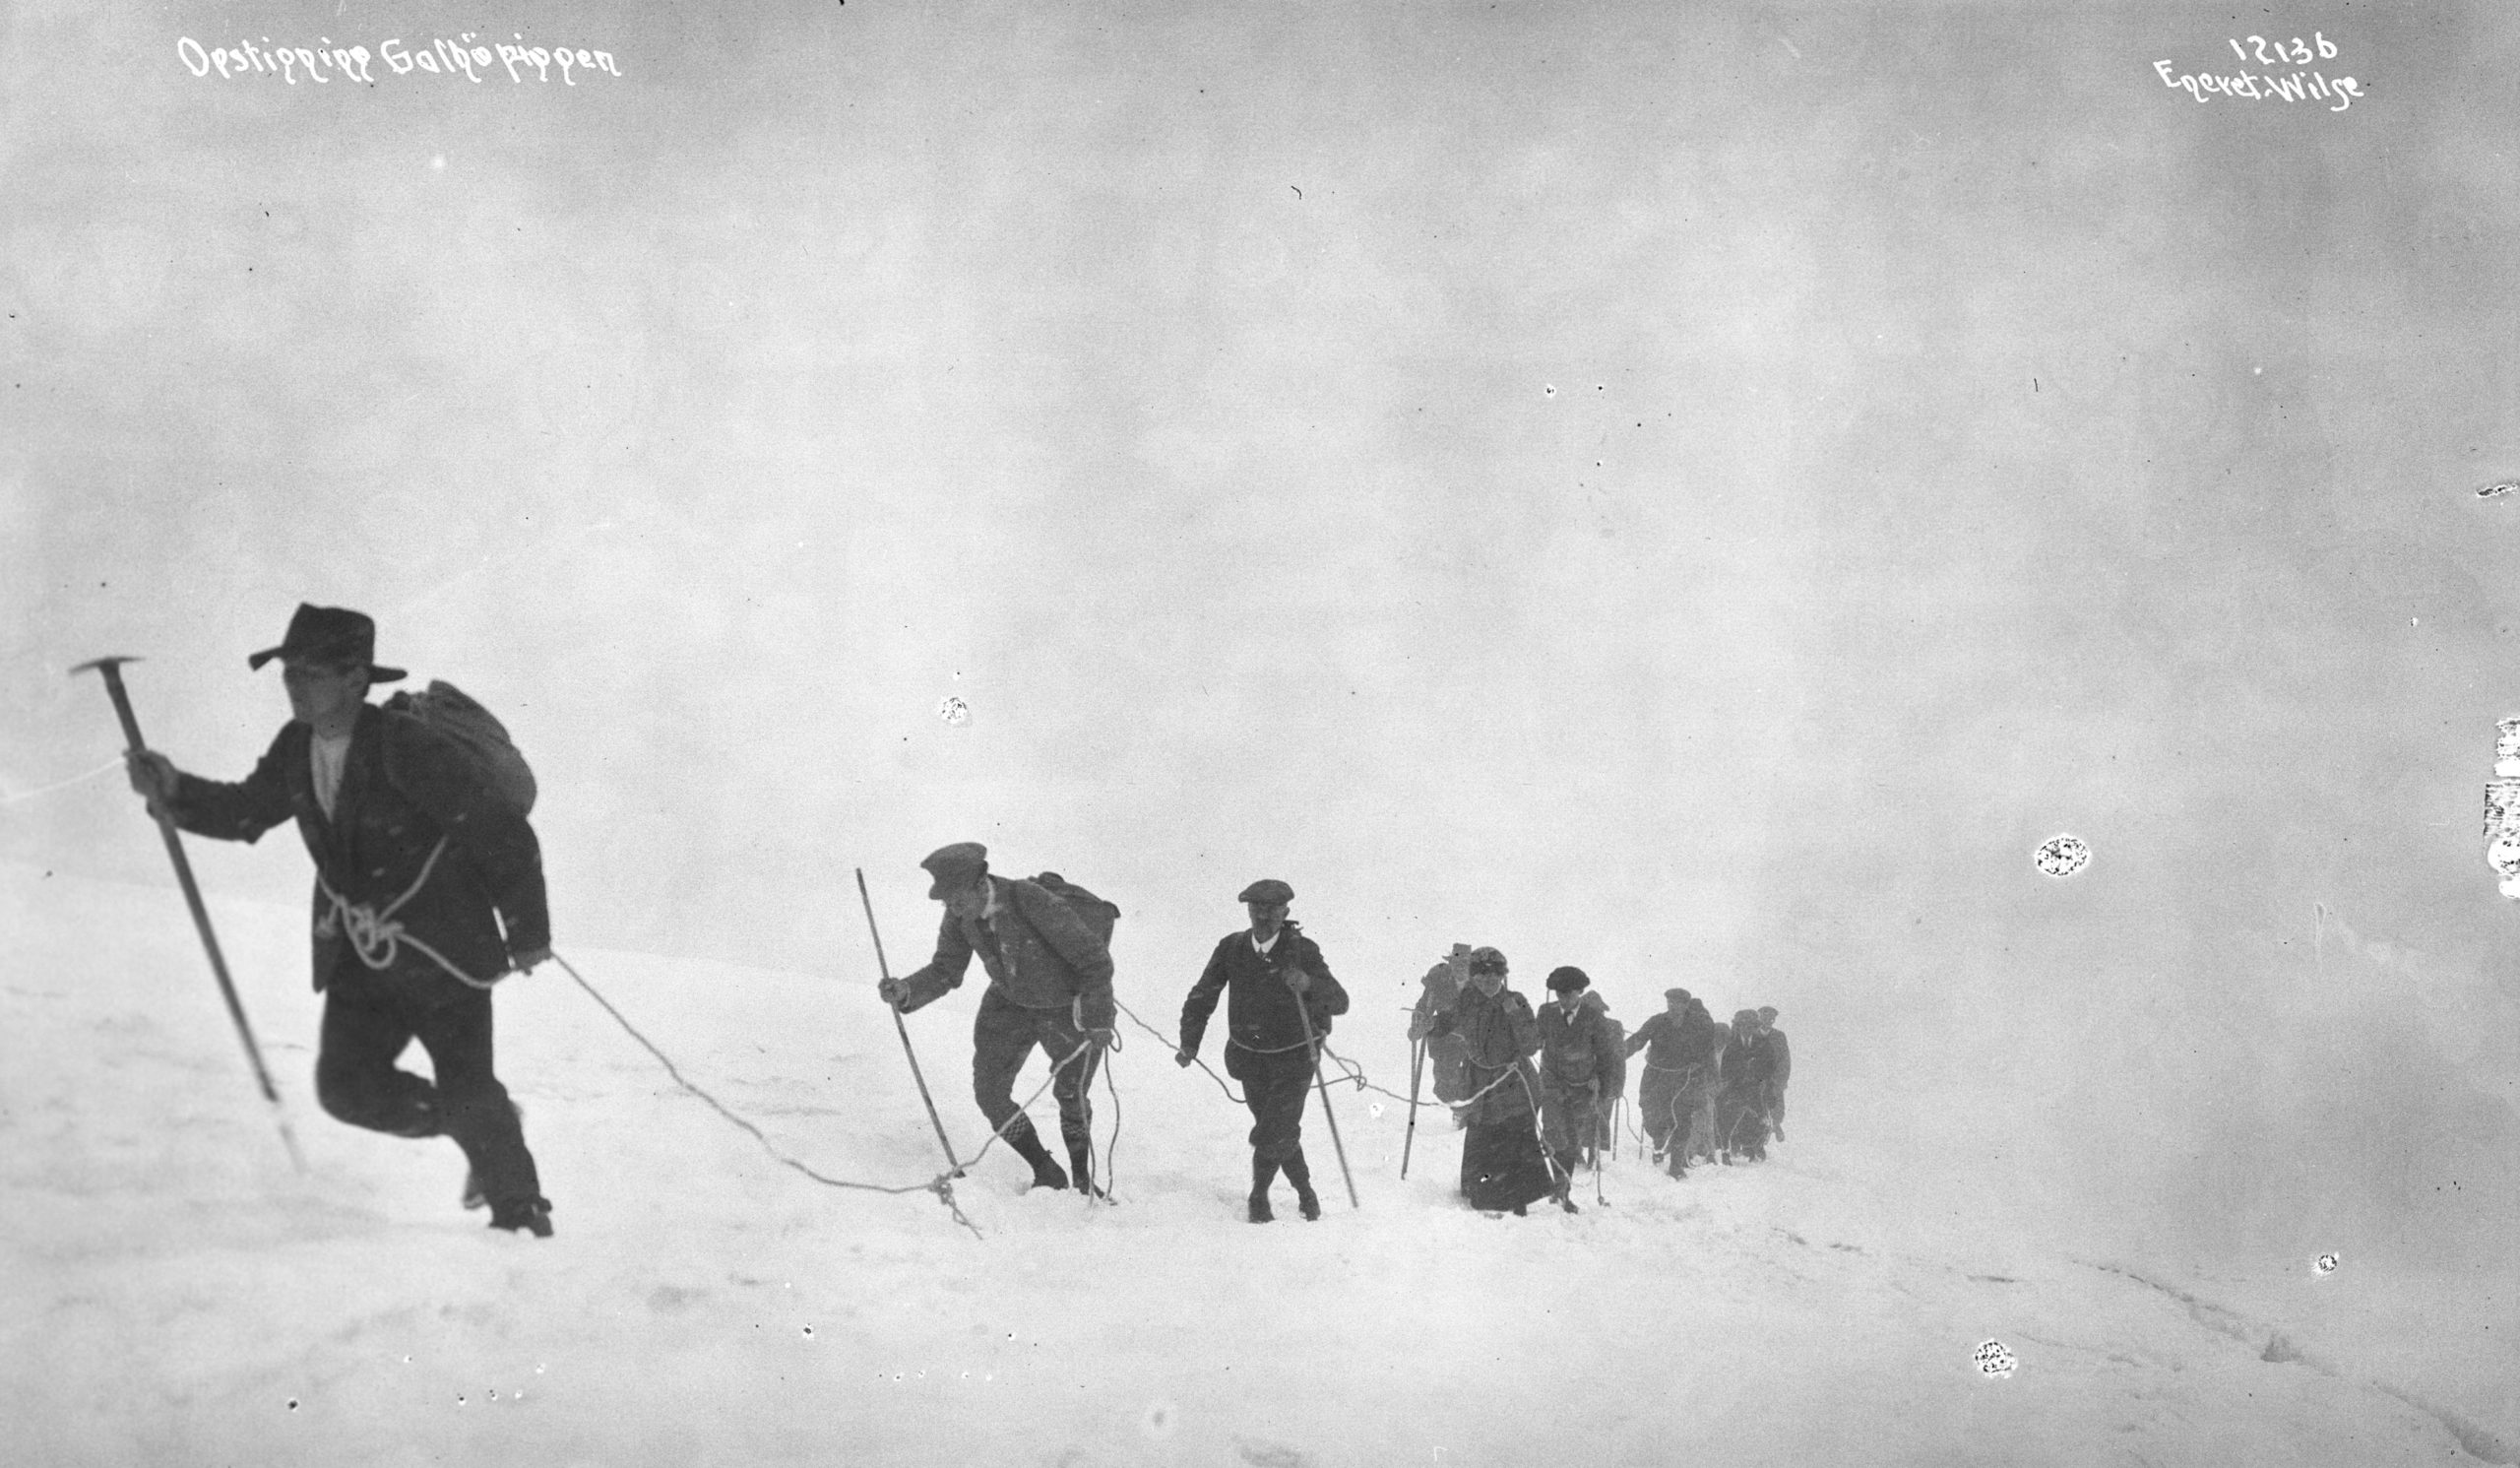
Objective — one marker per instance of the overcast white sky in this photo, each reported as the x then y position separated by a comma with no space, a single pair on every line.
1695,493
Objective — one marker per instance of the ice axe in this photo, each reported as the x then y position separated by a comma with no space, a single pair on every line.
1417,1068
1312,1043
885,971
1593,1122
110,669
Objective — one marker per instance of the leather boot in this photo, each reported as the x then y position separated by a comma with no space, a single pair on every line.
1080,1161
1263,1173
1300,1172
473,1196
1027,1145
523,1215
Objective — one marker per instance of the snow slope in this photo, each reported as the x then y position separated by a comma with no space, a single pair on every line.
172,1293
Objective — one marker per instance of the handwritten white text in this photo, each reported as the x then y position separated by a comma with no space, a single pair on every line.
460,57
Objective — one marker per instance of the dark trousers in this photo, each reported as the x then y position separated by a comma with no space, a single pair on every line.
1741,1121
1658,1106
1674,1106
368,1023
1273,1086
1002,1040
1569,1117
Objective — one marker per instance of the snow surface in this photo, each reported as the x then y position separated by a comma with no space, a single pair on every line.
174,1293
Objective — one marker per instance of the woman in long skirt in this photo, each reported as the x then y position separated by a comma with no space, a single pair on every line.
1502,1168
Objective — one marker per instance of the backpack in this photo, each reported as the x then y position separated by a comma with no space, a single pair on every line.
1098,914
477,735
1443,1053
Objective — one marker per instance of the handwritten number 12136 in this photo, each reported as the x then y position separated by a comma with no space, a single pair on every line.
2300,53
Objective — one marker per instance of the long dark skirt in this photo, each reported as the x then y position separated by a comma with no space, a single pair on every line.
1501,1167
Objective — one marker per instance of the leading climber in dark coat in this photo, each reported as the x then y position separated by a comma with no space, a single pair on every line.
1266,971
428,889
1050,984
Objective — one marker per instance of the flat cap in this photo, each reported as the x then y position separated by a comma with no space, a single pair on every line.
1681,995
1745,1017
1767,1012
1267,889
1487,961
1568,976
955,865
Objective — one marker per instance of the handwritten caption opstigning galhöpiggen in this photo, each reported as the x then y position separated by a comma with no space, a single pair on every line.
462,56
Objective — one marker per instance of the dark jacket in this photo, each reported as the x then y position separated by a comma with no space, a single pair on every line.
1583,1050
1442,1051
1783,1067
1749,1064
1260,1010
406,788
1498,1037
1677,1044
1038,954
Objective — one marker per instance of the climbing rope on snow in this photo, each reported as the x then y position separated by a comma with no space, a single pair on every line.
942,1185
14,796
1355,1073
375,933
999,1132
1222,1083
1349,1072
1111,1149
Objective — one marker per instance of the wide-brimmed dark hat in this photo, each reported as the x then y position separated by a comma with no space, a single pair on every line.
1562,980
330,634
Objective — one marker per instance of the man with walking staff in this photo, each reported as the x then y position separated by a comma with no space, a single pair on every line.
1583,1070
1049,985
1281,999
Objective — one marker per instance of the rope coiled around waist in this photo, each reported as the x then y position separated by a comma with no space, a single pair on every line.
1279,1049
374,935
